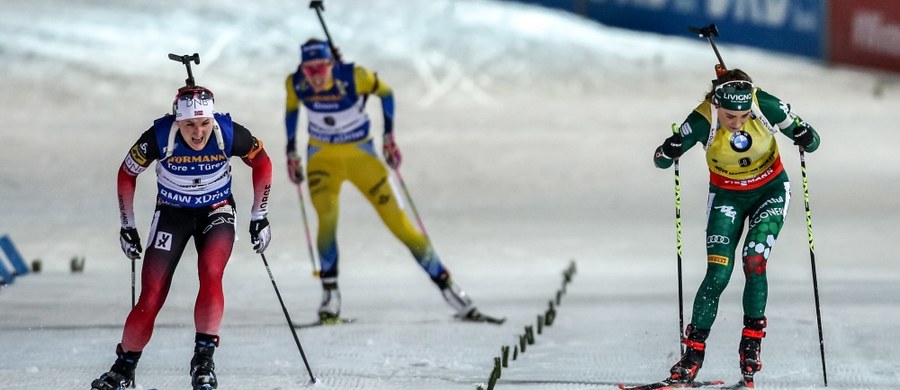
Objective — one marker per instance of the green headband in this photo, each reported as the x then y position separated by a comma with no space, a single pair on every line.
735,95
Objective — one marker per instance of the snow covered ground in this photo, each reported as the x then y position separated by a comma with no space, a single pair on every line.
527,136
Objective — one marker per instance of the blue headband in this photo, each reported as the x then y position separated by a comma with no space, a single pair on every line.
315,51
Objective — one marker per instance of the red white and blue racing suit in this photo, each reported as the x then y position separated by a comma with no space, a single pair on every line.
194,200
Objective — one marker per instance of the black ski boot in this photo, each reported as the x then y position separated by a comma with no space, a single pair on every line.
750,349
121,375
203,374
685,370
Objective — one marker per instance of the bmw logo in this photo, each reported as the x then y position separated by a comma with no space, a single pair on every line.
741,141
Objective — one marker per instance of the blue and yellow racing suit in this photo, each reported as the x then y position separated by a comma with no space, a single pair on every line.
341,148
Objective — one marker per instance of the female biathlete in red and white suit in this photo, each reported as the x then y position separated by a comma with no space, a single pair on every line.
194,200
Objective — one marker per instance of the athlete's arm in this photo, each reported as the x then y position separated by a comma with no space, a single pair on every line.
291,114
780,114
139,157
367,82
693,130
251,151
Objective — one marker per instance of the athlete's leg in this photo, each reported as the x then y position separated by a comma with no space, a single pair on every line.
325,175
725,219
766,219
169,233
765,223
370,176
214,241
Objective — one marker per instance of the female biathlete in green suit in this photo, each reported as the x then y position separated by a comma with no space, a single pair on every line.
736,125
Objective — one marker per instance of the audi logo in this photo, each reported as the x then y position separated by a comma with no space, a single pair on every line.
717,239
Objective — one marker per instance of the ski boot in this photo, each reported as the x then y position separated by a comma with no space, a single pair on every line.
203,374
457,299
330,309
460,301
750,349
121,374
685,370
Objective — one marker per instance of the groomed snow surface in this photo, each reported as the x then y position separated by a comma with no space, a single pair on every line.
527,137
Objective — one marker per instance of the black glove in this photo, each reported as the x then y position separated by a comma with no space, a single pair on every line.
131,243
803,135
260,234
671,147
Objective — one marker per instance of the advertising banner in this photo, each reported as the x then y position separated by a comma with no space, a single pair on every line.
790,26
866,33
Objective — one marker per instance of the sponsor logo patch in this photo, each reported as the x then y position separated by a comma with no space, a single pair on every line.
728,211
717,239
138,153
163,241
741,141
721,260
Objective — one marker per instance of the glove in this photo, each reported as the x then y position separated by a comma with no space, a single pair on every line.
295,168
391,151
131,243
671,147
803,135
260,234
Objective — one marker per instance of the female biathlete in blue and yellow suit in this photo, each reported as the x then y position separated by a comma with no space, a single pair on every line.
736,125
341,148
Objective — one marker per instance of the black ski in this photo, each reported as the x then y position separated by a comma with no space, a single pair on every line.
740,385
316,323
476,316
667,385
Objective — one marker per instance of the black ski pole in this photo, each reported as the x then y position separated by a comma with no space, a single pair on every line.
812,261
186,60
678,249
132,283
709,32
132,297
319,6
312,379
